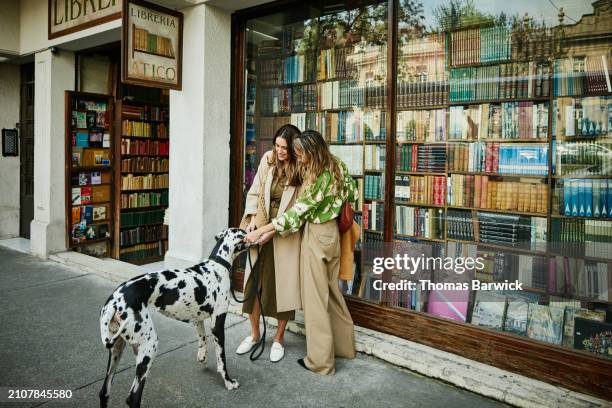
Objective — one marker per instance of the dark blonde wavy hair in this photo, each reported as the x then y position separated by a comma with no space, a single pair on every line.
289,170
318,159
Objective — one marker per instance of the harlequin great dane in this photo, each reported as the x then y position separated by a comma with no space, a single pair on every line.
189,295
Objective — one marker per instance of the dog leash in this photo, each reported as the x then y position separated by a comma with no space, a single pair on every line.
260,346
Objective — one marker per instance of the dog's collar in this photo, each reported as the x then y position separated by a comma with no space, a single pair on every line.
221,261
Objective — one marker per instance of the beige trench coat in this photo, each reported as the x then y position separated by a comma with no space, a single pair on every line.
286,248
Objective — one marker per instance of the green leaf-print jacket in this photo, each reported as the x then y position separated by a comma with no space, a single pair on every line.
318,203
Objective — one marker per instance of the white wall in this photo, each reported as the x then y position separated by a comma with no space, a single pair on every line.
199,137
54,74
9,28
9,166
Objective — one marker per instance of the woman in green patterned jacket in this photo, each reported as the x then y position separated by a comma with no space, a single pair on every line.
327,184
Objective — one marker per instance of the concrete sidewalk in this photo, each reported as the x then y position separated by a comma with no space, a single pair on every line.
50,339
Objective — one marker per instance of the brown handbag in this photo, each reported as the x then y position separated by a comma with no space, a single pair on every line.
345,218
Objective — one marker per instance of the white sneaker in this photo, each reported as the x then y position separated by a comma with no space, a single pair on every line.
277,352
246,345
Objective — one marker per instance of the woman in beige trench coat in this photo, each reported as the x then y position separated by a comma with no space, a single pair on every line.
327,186
272,192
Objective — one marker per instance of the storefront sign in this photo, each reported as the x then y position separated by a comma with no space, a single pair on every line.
152,45
68,16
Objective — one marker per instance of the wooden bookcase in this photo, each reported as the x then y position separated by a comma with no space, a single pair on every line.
89,171
141,181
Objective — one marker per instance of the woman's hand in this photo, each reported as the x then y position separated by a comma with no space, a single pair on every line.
251,226
254,236
265,237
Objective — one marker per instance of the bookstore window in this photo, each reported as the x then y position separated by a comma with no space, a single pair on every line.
501,146
502,150
324,69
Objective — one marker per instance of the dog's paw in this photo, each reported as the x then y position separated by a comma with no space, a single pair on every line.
232,384
202,355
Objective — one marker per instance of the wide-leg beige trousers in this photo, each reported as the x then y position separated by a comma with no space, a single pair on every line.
329,327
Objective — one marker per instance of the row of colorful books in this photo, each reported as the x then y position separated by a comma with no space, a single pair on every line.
89,213
478,191
580,75
144,164
581,238
427,158
372,217
421,125
374,157
494,157
145,112
139,235
351,155
421,190
575,277
152,43
419,222
585,197
89,178
478,45
133,128
140,200
93,115
517,231
582,117
150,181
508,120
145,147
143,251
95,137
584,158
81,232
90,194
140,218
373,186
516,80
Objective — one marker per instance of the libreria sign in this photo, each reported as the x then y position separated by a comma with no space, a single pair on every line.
68,15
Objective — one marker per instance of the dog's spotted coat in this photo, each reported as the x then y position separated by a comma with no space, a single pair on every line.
189,295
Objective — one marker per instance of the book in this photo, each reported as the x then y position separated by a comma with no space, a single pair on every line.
545,323
593,336
448,303
99,213
489,310
571,313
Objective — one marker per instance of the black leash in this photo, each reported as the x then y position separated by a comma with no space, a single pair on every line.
260,346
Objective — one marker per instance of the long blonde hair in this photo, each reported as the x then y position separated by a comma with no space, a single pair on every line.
289,169
319,158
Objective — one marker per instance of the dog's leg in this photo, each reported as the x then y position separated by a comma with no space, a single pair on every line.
114,355
202,352
219,333
146,342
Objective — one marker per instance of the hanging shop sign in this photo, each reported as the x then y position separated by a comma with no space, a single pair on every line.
152,45
68,16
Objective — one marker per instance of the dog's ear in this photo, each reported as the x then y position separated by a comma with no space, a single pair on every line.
219,235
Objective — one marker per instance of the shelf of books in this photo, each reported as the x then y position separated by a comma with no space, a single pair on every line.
504,155
141,182
89,176
502,150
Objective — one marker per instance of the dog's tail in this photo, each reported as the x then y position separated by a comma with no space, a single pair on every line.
110,326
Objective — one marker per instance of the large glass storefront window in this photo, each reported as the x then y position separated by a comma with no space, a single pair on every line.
501,163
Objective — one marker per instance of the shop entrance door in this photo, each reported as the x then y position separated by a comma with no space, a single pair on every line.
26,150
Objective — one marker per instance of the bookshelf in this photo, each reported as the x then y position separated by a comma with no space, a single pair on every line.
89,172
141,181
